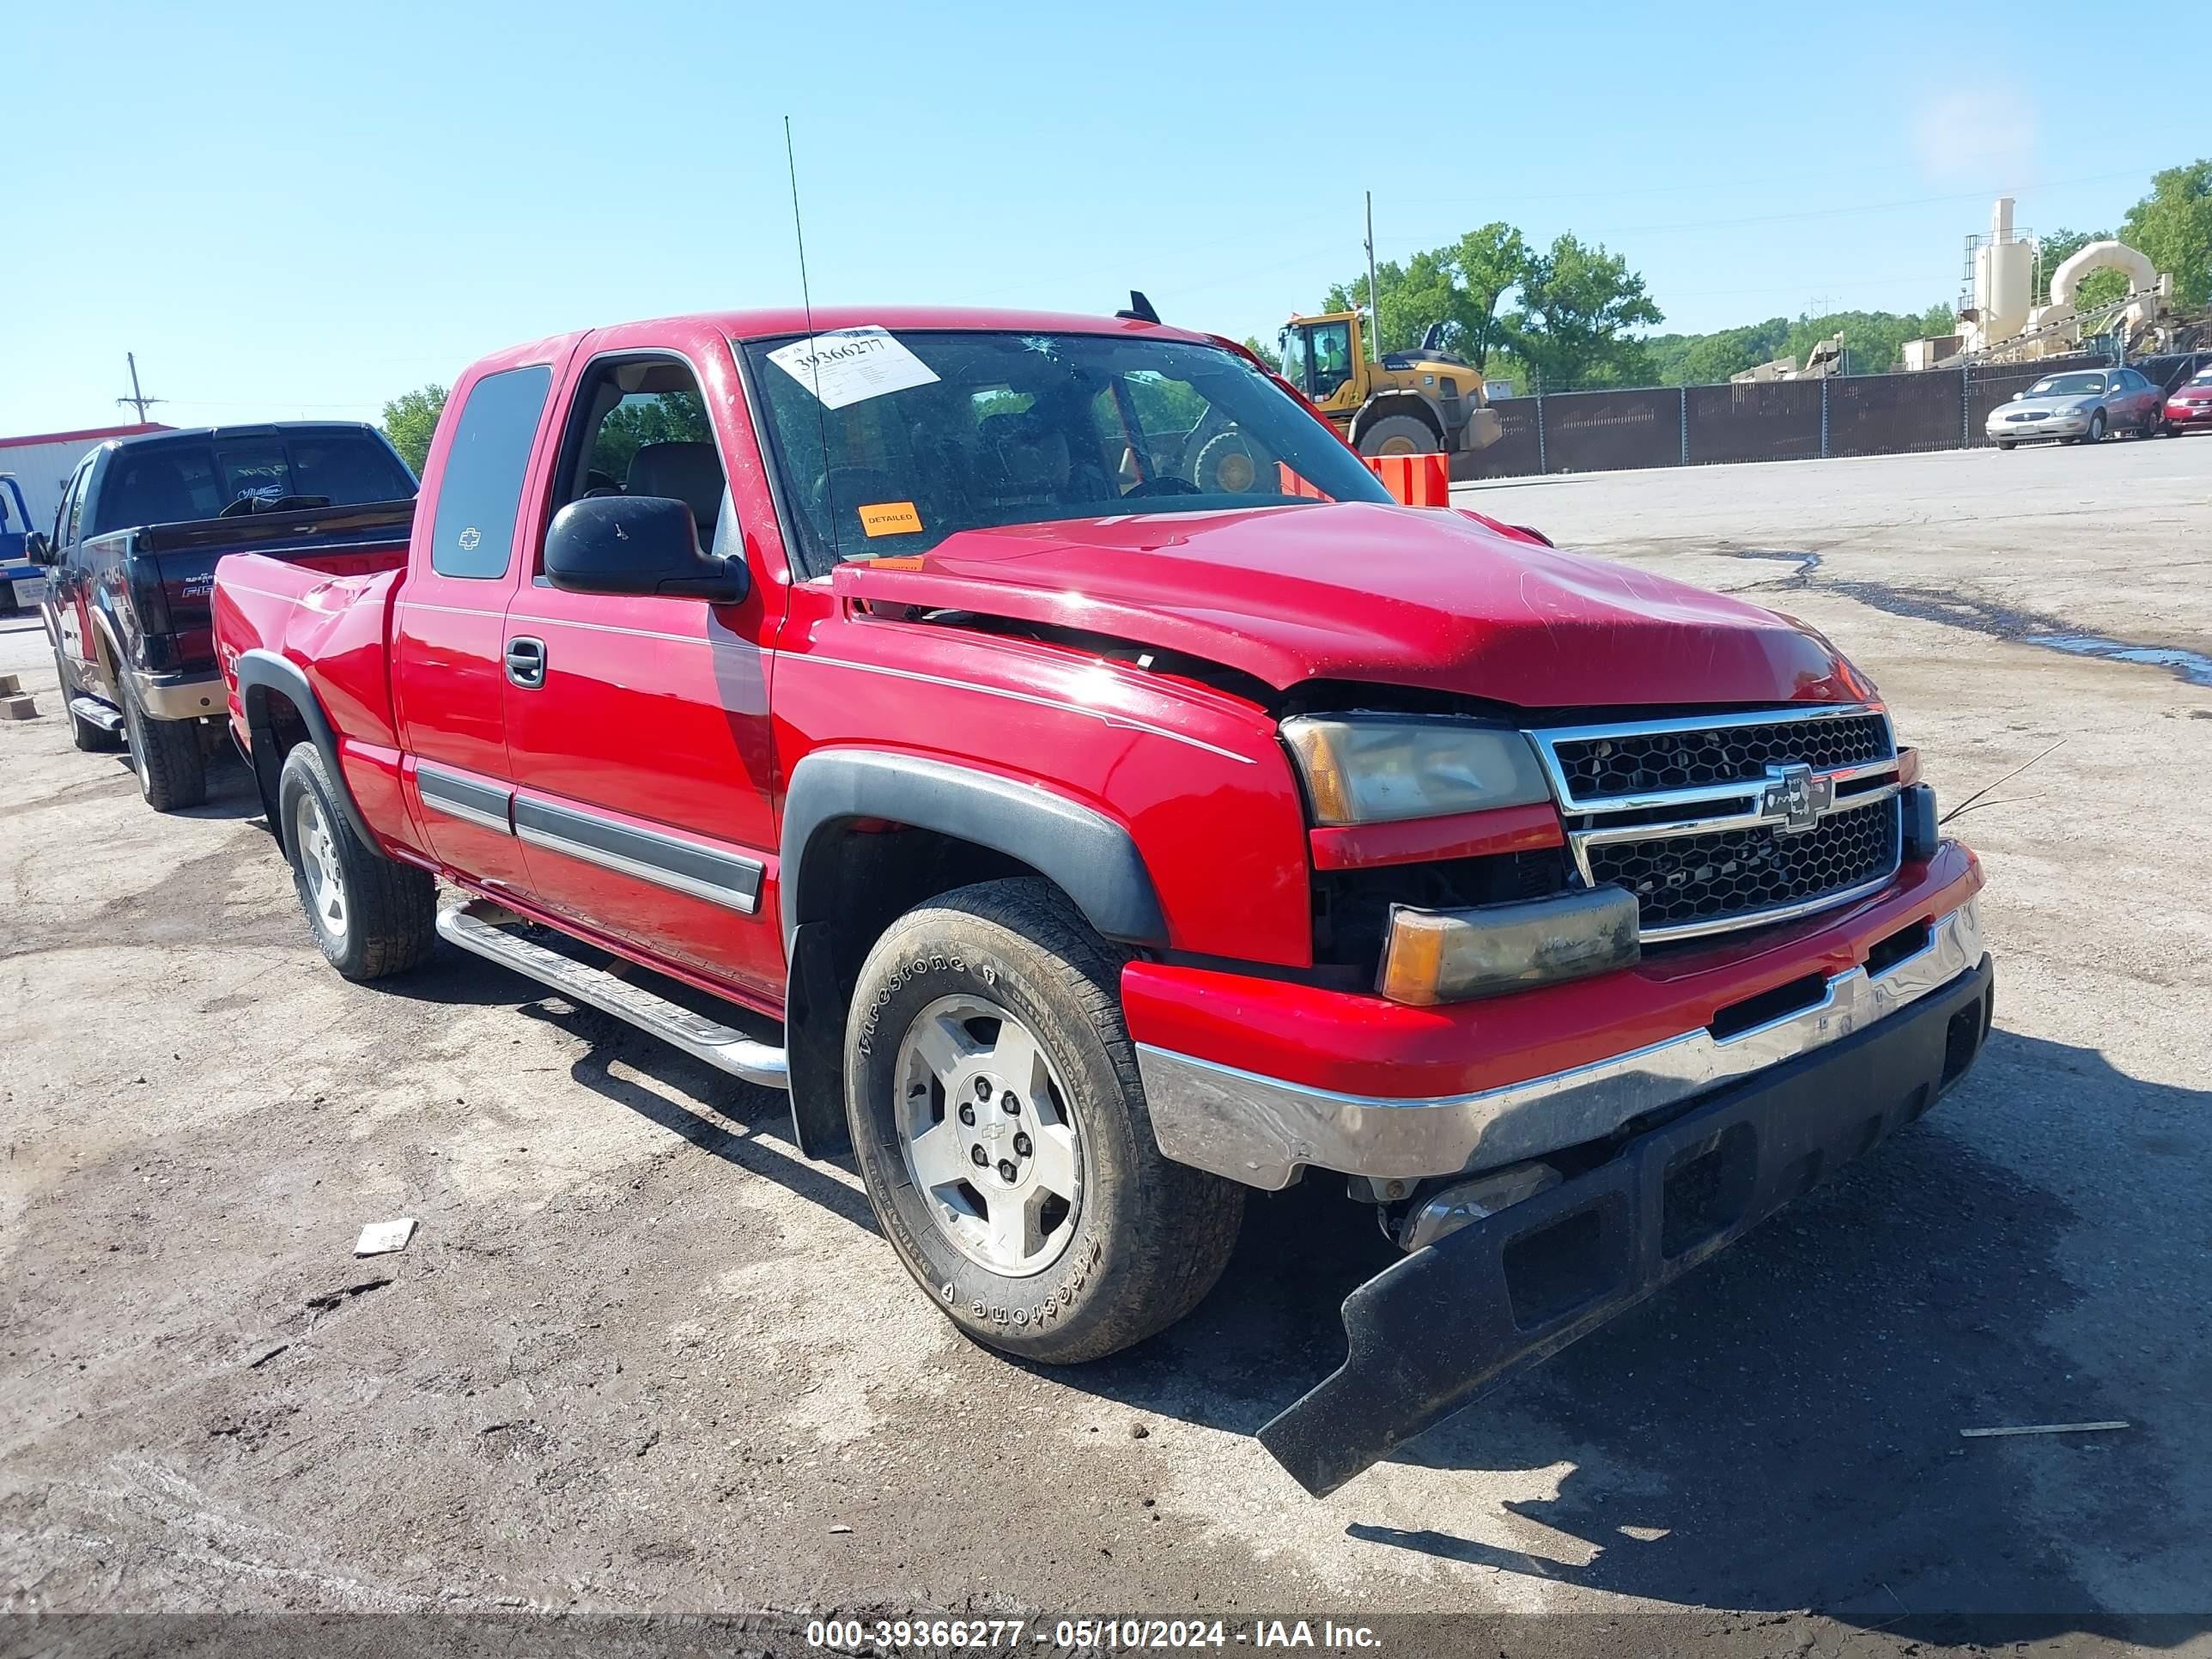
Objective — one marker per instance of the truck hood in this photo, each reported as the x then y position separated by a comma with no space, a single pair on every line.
1397,596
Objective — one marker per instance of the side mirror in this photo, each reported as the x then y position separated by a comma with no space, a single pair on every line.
38,547
637,544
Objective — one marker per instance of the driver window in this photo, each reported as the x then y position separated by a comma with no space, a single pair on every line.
640,427
1332,357
1296,359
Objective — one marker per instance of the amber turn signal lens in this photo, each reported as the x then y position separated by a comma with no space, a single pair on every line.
1430,956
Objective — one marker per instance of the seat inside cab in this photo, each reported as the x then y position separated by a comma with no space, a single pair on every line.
641,428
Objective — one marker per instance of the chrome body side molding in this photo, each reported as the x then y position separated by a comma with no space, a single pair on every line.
456,795
729,880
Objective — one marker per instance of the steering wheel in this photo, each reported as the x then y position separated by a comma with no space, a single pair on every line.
1165,485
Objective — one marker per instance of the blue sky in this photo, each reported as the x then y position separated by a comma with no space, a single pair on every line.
301,211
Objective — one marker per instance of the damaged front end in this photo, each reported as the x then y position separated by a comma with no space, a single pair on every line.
1488,1292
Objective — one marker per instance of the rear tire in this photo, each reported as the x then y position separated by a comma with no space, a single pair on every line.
1398,434
369,915
87,735
172,766
2002,445
1073,1236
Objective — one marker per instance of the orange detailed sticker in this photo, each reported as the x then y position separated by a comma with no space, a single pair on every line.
890,518
903,561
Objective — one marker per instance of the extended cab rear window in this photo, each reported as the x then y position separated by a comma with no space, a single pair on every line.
175,480
481,488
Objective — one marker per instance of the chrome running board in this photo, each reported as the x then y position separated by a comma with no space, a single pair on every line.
473,927
91,709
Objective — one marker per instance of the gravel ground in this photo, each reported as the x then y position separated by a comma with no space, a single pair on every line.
642,1357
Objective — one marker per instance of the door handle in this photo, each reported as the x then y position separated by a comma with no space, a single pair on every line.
526,662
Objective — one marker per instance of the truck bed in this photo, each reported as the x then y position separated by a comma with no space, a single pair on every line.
169,569
337,624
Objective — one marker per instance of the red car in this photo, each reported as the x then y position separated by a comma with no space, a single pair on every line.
1039,744
2189,409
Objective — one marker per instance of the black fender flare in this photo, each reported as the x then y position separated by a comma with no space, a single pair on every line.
259,673
1092,859
1089,856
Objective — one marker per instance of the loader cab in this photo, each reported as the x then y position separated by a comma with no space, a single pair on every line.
1322,357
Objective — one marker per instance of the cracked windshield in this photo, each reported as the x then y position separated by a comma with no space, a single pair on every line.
927,433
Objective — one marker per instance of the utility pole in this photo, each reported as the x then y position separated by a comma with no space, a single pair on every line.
137,399
1373,299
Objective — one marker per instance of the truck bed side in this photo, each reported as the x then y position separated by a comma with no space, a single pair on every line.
160,579
334,632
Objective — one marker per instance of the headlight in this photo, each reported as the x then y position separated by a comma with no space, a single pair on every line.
1367,769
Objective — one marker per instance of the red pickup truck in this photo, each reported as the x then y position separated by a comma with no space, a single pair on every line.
1040,744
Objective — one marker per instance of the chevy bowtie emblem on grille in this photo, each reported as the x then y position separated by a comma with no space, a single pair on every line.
1794,799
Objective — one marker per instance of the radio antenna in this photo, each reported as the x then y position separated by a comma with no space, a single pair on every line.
814,347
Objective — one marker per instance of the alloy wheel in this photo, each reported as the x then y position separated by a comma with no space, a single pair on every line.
319,867
987,1137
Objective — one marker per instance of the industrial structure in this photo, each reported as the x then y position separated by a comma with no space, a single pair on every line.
1999,321
1825,358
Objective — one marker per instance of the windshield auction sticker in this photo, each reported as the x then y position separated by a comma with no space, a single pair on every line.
851,365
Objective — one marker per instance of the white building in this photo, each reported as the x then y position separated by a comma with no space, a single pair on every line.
43,461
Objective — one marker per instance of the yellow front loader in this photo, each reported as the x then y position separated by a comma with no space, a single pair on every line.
1412,403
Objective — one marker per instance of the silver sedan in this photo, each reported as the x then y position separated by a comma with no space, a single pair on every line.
2078,405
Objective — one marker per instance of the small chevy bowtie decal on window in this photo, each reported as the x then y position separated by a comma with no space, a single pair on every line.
890,518
468,538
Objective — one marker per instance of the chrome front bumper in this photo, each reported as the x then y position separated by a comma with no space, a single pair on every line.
1262,1130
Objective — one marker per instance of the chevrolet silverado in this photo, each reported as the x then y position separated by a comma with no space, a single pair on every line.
1040,745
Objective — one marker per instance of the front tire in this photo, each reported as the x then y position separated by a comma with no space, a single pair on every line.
370,916
1047,1225
2097,428
172,766
1398,434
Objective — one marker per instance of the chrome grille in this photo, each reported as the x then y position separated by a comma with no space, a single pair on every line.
1730,821
1687,880
1646,762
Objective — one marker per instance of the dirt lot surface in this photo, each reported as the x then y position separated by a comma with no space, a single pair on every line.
643,1356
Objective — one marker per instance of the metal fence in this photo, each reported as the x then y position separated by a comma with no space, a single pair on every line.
1757,421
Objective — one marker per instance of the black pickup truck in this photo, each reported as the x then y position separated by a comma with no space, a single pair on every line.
132,557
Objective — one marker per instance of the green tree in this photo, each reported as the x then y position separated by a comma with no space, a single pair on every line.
1873,343
1577,306
410,419
1459,286
1702,359
2173,226
641,419
1490,264
1266,354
